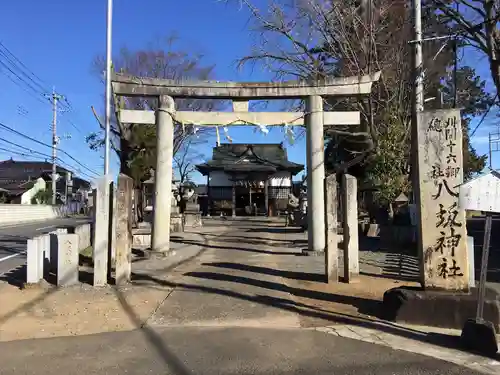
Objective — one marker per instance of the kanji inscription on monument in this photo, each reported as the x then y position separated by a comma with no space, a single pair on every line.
442,221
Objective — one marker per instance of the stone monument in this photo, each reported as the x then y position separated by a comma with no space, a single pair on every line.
176,222
445,299
442,225
192,213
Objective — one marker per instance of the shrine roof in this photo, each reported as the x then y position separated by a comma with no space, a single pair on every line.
261,157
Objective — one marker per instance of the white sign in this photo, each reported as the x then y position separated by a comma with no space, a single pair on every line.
481,194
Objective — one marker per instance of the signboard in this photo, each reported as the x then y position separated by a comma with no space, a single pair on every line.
481,194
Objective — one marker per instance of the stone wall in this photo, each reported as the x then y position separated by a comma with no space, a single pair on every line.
22,213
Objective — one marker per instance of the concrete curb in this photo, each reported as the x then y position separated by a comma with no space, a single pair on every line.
374,336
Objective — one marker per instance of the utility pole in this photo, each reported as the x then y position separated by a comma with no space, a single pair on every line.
417,67
55,141
108,86
418,92
417,108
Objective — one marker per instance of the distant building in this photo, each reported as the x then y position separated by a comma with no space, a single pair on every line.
17,177
245,179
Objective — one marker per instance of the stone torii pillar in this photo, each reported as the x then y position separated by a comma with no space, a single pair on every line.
162,200
315,155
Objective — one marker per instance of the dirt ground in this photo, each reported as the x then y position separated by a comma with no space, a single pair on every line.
45,311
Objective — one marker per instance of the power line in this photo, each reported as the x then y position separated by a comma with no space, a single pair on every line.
484,116
21,153
44,89
35,96
24,148
29,81
37,91
46,145
44,156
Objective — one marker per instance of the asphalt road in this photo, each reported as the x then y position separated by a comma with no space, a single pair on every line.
214,351
13,239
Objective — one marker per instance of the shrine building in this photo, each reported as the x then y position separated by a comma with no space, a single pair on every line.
248,179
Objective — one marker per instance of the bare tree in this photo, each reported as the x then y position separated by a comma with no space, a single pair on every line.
315,39
186,158
478,24
135,144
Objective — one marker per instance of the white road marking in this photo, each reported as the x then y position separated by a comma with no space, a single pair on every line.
11,256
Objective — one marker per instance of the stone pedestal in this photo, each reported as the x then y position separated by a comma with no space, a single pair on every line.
192,216
176,222
297,218
438,308
123,248
350,227
67,259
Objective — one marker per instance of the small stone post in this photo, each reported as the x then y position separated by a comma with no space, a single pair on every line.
350,227
160,240
441,224
101,227
67,259
123,229
315,173
332,252
33,275
41,253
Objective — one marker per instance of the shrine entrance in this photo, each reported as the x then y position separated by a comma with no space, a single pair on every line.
314,119
250,198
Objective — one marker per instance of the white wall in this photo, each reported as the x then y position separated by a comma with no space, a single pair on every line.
23,213
279,179
27,196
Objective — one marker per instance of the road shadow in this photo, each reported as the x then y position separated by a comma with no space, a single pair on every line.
442,340
364,306
235,248
303,276
176,366
400,267
227,237
282,230
15,277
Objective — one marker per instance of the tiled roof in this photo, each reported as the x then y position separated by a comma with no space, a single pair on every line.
264,157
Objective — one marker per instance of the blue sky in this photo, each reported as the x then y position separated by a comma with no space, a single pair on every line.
59,39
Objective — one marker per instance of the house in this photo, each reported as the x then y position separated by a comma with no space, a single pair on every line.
247,179
18,177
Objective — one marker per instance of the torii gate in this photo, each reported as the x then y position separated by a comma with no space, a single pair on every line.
240,93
